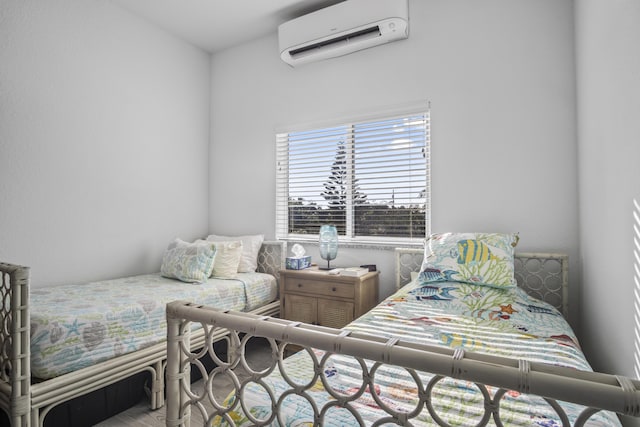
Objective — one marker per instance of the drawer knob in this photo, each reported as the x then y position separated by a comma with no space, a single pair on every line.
299,285
334,289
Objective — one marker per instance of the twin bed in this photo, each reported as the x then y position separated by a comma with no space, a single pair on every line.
457,344
446,349
61,342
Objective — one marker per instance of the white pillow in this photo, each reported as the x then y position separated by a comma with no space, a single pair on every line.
250,247
226,260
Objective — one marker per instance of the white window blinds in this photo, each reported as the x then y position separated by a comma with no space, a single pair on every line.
370,179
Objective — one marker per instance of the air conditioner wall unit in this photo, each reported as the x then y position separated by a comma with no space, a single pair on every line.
341,29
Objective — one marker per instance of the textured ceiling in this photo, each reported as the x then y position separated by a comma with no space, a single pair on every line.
214,25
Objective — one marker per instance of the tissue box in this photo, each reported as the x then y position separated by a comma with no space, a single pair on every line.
298,263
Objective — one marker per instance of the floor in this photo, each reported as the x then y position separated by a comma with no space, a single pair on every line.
258,357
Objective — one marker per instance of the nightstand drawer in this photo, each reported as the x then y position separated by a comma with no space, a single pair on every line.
342,290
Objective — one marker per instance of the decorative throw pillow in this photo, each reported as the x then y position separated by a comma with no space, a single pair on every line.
225,263
250,247
478,258
189,262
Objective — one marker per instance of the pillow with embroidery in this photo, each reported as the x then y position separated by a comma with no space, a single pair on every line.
227,259
477,258
250,247
188,262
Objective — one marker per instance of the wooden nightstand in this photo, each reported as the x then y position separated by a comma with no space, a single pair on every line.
314,296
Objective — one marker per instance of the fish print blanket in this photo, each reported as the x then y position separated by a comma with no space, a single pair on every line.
76,326
503,322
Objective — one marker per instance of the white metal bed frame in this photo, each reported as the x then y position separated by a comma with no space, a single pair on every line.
28,401
595,391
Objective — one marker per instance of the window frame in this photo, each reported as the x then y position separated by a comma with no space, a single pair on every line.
349,239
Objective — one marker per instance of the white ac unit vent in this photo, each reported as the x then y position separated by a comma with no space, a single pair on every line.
343,28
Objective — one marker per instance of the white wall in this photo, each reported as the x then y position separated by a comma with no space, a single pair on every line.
500,78
104,129
608,82
105,155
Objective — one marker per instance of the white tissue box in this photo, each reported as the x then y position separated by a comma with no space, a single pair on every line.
298,263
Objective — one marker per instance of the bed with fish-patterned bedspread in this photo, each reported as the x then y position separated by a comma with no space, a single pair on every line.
440,353
460,316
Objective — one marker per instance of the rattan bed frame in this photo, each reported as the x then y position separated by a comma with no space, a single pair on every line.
28,401
542,274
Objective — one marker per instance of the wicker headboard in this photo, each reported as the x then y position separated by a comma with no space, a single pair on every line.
541,275
271,257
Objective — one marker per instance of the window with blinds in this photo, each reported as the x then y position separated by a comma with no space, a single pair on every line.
370,179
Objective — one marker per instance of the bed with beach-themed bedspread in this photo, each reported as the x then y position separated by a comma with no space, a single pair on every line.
63,341
460,345
105,319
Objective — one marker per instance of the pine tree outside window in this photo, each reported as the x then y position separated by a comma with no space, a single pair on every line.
369,178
